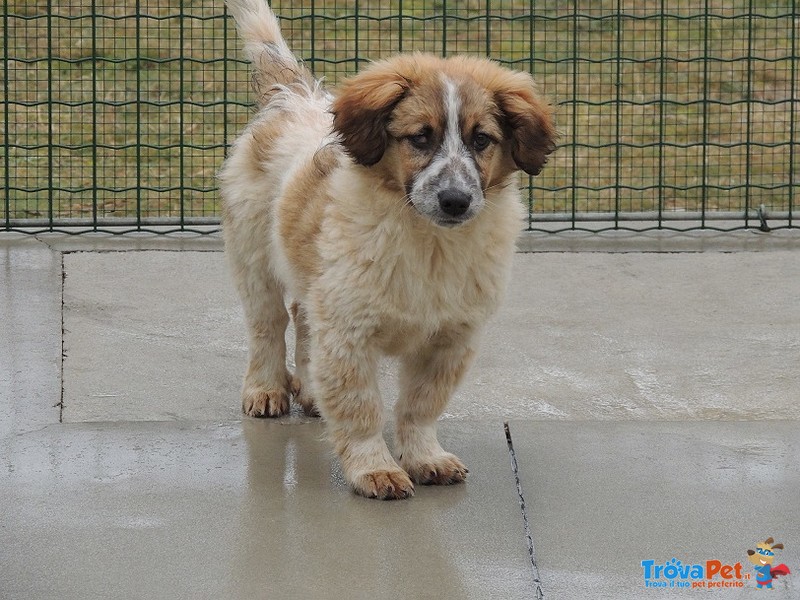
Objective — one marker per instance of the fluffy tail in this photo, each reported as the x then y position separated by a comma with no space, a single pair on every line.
274,65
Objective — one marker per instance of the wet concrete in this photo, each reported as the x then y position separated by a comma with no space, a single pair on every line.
250,509
580,336
652,399
151,336
604,497
30,336
646,336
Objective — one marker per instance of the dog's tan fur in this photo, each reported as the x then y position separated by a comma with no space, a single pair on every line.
316,210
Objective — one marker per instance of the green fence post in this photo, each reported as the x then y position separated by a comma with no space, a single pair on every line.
6,123
792,110
661,93
50,134
182,116
138,108
94,105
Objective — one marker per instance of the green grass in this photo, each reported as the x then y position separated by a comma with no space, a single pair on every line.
114,114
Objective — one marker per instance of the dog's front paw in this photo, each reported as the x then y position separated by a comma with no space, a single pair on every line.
384,485
265,402
441,469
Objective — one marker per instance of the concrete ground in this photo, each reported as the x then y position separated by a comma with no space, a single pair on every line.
649,384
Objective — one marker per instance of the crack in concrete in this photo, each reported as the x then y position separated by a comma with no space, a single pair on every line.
526,523
63,351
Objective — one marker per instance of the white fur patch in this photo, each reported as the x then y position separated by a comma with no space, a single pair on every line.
451,168
453,146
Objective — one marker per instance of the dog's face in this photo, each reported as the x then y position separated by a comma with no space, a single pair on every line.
444,131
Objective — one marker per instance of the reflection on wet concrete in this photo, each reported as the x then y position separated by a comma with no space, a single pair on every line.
256,509
319,540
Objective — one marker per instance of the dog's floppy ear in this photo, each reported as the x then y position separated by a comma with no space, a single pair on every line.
362,109
528,119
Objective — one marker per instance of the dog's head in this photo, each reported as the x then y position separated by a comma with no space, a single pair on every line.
444,131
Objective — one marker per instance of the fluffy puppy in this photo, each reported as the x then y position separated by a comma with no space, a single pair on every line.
385,214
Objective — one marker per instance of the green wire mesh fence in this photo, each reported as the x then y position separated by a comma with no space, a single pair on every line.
674,114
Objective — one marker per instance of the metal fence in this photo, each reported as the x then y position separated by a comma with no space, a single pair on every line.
674,113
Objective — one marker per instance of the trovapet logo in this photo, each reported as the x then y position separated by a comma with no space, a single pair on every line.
716,573
708,574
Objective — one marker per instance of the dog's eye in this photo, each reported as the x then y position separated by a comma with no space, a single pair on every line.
481,141
421,140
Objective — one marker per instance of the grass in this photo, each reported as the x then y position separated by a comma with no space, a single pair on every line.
111,114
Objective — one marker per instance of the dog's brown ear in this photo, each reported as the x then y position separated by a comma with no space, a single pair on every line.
362,109
528,119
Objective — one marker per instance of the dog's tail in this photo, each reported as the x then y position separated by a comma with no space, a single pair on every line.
274,66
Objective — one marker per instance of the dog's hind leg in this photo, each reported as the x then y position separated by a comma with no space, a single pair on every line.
427,380
267,383
301,384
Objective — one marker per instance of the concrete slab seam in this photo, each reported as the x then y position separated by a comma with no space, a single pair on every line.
63,349
133,250
525,521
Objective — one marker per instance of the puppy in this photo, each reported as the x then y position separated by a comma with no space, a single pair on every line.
386,214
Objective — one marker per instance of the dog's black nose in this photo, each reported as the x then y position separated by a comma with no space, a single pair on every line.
454,202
